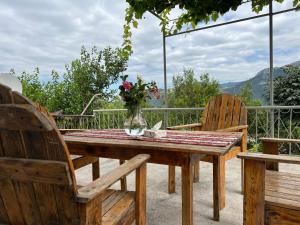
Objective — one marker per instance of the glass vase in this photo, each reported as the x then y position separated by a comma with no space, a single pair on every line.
135,124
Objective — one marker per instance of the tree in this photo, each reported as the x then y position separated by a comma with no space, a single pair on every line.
287,88
193,12
32,88
190,92
93,73
246,95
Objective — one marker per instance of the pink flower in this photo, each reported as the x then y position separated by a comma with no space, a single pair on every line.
127,85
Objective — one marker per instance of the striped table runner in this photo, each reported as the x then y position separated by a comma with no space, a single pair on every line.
214,139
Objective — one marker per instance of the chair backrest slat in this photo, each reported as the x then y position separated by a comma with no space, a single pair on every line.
24,201
224,111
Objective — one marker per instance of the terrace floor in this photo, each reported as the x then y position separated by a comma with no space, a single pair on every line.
165,209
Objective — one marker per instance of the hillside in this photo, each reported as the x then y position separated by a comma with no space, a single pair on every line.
259,82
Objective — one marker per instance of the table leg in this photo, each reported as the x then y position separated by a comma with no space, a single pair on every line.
187,193
216,187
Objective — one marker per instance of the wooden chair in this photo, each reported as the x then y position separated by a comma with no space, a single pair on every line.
37,179
223,112
270,197
78,161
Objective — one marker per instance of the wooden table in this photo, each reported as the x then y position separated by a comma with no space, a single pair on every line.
183,155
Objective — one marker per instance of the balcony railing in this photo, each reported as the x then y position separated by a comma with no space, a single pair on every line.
286,120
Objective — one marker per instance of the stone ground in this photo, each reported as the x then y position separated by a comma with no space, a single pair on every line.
165,209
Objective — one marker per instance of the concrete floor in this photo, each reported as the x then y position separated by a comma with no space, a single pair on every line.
165,209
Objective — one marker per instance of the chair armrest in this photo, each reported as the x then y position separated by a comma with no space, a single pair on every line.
96,188
270,158
236,128
193,125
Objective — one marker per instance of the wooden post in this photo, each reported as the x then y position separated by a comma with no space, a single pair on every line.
243,149
254,192
216,187
123,180
196,172
171,181
140,207
96,170
271,148
187,193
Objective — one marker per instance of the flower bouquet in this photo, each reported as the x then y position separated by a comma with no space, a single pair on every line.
134,95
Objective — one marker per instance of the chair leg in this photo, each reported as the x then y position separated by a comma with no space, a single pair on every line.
96,169
196,171
171,183
123,180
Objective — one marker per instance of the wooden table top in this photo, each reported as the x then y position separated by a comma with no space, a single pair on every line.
159,146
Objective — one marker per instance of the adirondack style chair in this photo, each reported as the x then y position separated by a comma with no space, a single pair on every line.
78,161
223,112
37,179
271,197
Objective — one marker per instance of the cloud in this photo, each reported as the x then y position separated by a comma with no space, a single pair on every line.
49,34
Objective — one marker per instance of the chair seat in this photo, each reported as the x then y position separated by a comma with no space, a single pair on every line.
118,207
283,190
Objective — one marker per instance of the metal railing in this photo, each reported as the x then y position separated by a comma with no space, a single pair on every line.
286,120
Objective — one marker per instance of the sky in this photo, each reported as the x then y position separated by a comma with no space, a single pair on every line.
49,34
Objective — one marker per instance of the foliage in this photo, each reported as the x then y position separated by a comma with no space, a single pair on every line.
246,95
193,12
93,73
136,94
287,88
190,92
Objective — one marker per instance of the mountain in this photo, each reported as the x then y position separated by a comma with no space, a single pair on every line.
259,82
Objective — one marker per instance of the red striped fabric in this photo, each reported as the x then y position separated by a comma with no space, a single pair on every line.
177,137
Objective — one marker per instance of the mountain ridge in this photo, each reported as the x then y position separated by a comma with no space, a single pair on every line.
258,82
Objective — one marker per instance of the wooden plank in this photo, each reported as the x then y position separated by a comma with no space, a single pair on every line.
271,148
22,117
26,197
45,197
31,170
5,94
111,200
254,192
209,118
278,215
216,113
270,158
281,140
236,112
187,193
67,208
11,203
3,214
140,197
282,202
120,211
282,175
223,109
95,188
282,194
83,161
229,112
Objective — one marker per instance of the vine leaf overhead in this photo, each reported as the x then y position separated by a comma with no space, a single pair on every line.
192,13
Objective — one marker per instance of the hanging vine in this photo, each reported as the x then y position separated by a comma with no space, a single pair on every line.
193,12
